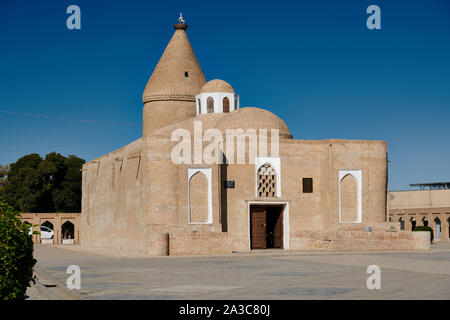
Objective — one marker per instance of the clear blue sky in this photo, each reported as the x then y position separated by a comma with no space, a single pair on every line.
313,63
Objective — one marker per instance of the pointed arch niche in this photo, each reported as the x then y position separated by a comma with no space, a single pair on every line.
199,196
350,190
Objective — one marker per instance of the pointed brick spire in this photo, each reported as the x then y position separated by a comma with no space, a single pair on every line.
178,75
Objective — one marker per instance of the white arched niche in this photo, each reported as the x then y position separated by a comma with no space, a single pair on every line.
357,175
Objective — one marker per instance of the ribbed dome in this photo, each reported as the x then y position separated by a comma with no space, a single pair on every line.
254,118
244,118
208,120
217,85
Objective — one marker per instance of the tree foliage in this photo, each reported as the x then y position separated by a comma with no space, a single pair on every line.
3,175
52,184
16,255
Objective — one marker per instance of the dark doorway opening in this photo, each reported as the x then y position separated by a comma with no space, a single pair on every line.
68,230
48,224
448,223
266,226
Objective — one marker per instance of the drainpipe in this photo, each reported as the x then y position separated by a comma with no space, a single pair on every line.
387,187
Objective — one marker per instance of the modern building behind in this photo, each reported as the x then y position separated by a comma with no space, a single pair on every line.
428,205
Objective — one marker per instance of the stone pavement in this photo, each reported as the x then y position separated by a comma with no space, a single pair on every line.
268,274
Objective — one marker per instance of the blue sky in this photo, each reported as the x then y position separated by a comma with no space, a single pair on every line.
312,63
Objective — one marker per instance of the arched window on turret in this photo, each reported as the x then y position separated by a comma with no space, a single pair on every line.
210,105
199,106
226,105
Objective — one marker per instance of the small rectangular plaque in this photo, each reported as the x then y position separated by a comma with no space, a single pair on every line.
229,184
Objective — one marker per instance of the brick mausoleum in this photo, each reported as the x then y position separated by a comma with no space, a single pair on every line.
290,194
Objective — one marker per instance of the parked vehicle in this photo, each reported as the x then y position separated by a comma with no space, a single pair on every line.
46,233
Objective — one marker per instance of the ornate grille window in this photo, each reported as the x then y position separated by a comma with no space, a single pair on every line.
267,181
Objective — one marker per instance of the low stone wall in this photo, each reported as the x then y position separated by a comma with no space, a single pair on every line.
360,240
158,244
46,241
420,215
200,244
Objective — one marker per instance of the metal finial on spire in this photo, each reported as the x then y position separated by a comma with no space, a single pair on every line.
181,19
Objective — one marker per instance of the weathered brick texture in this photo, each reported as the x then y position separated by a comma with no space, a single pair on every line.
200,244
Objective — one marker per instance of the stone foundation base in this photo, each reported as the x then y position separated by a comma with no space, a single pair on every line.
377,237
360,240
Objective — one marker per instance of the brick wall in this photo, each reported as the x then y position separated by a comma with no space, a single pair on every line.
158,244
200,244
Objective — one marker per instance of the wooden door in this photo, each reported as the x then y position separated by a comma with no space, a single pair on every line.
258,227
278,231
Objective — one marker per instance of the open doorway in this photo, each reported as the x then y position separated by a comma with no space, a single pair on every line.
266,226
437,221
68,230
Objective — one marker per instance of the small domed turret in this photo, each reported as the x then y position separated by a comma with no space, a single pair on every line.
217,85
217,96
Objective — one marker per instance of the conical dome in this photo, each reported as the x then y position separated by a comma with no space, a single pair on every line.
177,76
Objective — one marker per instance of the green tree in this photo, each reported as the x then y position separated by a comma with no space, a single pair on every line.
67,198
3,175
24,186
52,171
52,184
16,255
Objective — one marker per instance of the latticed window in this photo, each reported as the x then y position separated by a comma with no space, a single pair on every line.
267,181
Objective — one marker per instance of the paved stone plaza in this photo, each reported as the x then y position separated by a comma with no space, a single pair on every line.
268,274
